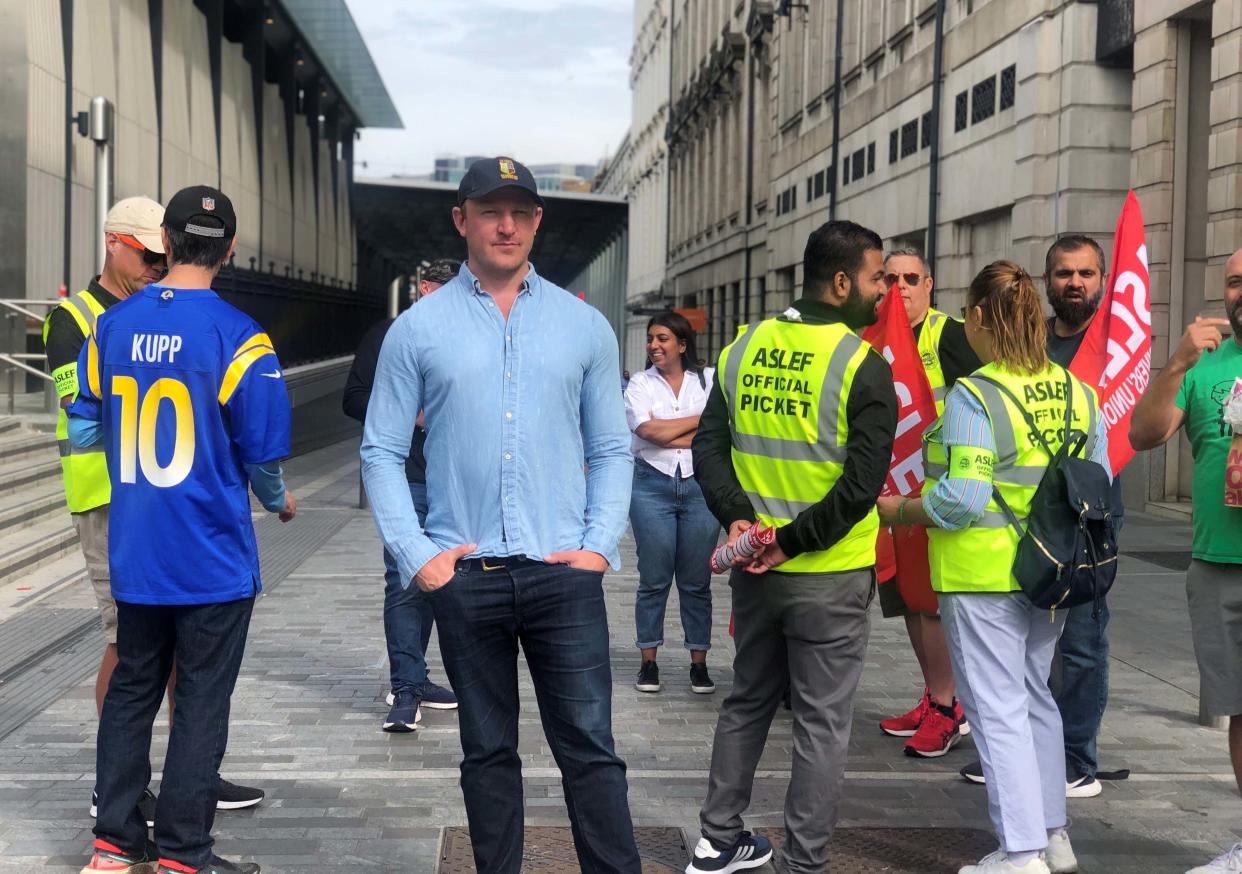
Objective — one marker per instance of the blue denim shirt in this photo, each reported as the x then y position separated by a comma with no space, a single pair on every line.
514,413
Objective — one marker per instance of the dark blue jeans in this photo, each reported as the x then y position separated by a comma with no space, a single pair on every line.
207,642
675,534
407,616
556,614
1082,694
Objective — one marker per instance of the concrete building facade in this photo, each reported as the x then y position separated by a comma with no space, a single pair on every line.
646,185
602,282
262,100
999,124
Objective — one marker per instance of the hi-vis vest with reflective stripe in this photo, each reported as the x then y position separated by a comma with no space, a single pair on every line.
929,354
786,385
85,470
980,558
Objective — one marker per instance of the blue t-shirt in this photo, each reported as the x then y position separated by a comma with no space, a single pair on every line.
188,390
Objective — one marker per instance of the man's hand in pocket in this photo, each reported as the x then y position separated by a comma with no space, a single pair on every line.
436,573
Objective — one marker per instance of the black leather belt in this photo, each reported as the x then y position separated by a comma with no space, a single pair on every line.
490,564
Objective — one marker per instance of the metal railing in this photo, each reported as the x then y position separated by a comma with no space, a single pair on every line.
14,362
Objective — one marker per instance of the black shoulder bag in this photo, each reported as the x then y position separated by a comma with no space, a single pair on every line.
1067,555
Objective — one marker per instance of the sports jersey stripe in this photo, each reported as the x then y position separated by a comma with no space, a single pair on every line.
92,367
236,370
259,339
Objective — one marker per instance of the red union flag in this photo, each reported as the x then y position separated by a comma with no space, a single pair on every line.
1115,355
916,410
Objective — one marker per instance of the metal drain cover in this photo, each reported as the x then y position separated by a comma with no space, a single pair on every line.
899,850
550,850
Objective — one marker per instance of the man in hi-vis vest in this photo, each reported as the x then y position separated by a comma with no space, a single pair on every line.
134,259
797,435
936,723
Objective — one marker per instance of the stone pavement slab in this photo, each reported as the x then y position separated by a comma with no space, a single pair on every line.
344,796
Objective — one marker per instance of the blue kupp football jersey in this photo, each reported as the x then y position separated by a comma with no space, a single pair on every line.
188,390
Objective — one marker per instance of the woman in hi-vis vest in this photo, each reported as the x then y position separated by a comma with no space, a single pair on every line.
1000,644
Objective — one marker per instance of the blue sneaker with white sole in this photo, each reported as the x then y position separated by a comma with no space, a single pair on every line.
404,715
437,697
748,851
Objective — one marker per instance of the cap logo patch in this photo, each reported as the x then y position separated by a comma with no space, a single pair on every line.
209,203
507,170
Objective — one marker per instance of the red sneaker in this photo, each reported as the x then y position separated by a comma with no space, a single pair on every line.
936,736
113,860
907,724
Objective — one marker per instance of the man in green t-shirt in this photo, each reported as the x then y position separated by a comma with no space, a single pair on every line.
1192,391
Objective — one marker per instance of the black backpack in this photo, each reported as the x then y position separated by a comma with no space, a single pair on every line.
1067,555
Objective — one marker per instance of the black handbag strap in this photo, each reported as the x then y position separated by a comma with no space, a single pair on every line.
1030,421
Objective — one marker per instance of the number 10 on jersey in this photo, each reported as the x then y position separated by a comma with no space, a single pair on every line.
138,428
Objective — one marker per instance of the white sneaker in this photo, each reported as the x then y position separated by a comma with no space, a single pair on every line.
1060,855
1229,863
1083,787
998,863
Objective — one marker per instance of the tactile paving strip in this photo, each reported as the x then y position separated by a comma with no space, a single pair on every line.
46,651
550,850
899,850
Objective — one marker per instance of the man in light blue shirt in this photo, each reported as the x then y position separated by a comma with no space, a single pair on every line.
528,489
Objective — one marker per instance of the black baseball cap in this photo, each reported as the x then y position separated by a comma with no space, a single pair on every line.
202,211
488,174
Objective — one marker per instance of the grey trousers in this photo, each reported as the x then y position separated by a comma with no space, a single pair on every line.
809,630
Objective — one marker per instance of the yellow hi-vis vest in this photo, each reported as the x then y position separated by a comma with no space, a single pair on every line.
786,385
85,470
979,558
929,354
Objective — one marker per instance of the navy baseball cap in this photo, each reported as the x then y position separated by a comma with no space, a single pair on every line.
202,211
489,174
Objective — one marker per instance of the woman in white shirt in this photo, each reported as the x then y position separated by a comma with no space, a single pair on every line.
674,530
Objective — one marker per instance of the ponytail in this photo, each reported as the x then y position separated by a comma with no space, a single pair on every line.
1012,312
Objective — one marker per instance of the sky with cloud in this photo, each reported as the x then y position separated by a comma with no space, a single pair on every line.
542,80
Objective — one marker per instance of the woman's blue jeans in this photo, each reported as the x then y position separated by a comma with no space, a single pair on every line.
675,534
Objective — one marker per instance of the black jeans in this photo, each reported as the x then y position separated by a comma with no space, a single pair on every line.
207,642
557,614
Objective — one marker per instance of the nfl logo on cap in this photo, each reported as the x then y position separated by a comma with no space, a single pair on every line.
209,203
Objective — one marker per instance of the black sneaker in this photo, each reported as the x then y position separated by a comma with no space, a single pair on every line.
403,717
974,773
215,866
648,678
748,851
230,796
146,804
700,682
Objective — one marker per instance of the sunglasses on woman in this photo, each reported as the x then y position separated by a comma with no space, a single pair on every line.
148,257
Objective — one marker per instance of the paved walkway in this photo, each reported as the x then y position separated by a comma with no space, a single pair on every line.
344,796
